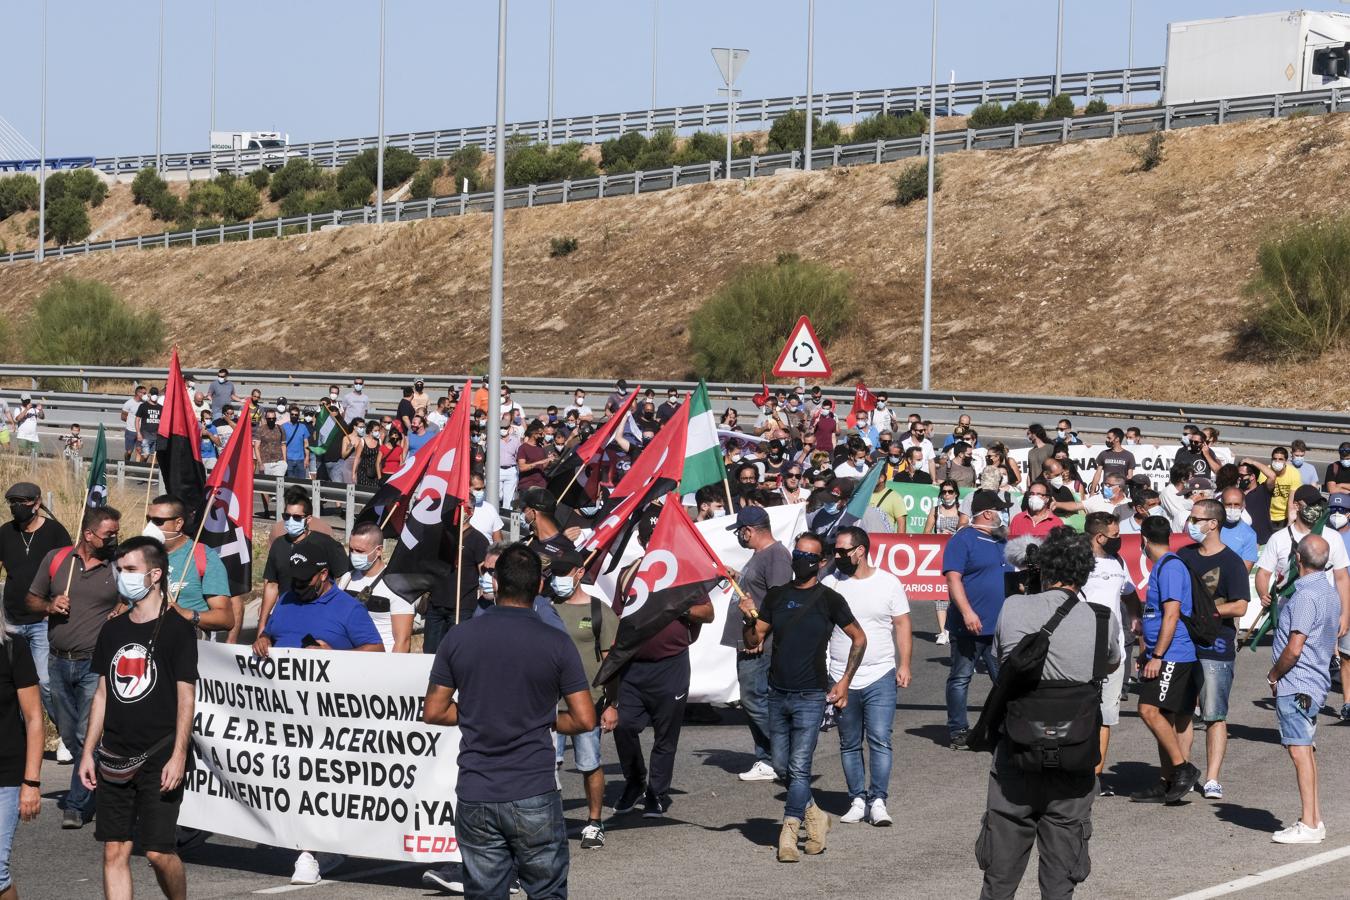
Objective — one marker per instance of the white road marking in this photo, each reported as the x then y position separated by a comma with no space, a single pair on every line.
353,876
1293,868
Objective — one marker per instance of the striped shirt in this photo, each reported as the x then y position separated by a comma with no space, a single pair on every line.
1314,611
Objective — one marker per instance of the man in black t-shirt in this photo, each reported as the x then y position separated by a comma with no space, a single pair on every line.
801,615
1337,477
147,423
295,518
146,660
25,541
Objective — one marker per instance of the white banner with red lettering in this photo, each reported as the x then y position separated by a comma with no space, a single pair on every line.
322,751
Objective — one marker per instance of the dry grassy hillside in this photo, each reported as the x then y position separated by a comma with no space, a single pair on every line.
1059,270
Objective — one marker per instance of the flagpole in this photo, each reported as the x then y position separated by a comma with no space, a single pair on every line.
575,476
459,561
727,484
389,515
150,479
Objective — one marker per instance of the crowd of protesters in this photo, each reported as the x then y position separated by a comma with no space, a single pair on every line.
826,635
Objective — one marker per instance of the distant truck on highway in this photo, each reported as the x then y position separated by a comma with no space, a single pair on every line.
1249,56
269,146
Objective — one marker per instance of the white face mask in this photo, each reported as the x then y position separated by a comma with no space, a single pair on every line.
1035,502
332,395
294,528
1057,482
1232,516
132,586
564,585
1131,442
485,584
360,431
1277,465
361,561
151,530
1338,520
477,494
358,388
220,378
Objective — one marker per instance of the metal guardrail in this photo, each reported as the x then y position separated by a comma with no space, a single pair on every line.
1255,417
1120,122
430,144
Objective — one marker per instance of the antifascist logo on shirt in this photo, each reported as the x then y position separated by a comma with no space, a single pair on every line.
133,673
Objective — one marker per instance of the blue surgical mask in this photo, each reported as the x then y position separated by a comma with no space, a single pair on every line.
1194,533
360,561
477,495
295,528
132,586
485,584
590,510
1107,492
563,585
1003,516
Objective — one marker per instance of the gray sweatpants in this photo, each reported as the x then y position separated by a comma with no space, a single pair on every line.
1055,810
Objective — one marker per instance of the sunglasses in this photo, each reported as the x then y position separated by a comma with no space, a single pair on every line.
948,493
843,552
160,520
489,570
292,517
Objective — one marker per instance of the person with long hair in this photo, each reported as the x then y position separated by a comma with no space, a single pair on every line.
21,741
945,518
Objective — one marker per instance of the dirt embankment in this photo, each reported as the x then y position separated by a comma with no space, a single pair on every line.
1059,270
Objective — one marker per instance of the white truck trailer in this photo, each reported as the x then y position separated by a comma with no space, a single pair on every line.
1249,56
269,147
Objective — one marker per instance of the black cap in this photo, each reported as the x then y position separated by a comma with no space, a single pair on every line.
622,384
749,517
25,491
566,561
306,562
1309,494
540,499
983,500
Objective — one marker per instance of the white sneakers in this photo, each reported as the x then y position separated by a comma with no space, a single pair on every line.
859,810
63,757
1298,833
760,771
943,638
856,812
306,869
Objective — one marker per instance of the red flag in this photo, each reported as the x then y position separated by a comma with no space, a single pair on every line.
435,484
678,570
588,449
179,450
563,480
762,397
229,505
863,401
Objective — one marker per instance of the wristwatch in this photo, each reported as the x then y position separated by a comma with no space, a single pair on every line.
1156,655
196,618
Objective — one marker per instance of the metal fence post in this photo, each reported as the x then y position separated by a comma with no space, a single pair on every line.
637,183
566,187
316,495
1115,124
1017,134
350,519
121,474
1064,131
880,146
281,495
309,223
1278,98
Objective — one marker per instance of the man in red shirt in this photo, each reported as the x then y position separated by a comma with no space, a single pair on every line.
533,458
1035,519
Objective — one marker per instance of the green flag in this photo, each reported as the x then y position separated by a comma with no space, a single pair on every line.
1284,590
862,495
702,453
328,432
97,488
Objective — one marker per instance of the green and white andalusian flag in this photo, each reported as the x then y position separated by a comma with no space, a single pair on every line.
97,492
328,431
702,452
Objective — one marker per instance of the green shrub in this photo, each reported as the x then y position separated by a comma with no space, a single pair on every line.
701,147
82,184
85,323
621,150
355,191
1151,154
737,332
67,220
536,163
242,201
634,152
146,186
1096,107
912,182
987,115
1302,291
205,198
433,167
18,193
464,164
883,127
296,176
399,166
259,178
1059,107
788,132
165,206
7,354
422,186
1022,112
562,246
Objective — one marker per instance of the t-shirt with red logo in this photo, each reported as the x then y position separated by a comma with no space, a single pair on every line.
142,693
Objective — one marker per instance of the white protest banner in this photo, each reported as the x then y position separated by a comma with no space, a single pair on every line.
1149,460
323,751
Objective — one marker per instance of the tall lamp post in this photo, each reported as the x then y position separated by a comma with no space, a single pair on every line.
928,240
810,73
41,252
159,96
379,158
494,445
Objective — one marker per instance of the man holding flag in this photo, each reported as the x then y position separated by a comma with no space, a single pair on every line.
180,444
226,519
199,588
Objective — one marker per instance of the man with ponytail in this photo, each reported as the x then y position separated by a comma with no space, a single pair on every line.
140,725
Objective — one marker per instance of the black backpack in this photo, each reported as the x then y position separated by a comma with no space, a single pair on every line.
1203,622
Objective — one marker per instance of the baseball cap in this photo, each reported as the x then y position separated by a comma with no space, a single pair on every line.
1199,483
25,491
1340,501
306,563
983,500
566,561
539,499
1309,494
749,517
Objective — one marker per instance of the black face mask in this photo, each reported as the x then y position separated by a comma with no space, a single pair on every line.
845,565
741,539
1111,546
108,550
303,590
22,512
805,566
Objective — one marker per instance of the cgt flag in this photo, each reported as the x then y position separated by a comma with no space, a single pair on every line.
677,571
863,401
96,493
228,526
563,478
180,444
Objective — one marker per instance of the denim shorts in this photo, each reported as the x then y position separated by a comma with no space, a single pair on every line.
1216,682
585,749
1297,728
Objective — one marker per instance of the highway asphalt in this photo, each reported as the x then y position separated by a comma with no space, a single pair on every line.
717,841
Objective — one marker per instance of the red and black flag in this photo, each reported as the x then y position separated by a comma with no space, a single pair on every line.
678,570
179,451
564,482
229,506
864,401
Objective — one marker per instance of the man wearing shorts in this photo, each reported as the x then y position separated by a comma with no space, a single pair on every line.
1167,684
1109,585
1305,637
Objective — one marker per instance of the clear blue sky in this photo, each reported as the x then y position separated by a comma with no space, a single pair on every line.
309,67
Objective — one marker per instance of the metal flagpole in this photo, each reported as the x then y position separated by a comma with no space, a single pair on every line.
493,485
928,241
1129,55
810,71
42,150
379,161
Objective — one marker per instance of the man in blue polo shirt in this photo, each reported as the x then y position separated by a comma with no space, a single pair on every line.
295,436
510,811
974,566
1168,683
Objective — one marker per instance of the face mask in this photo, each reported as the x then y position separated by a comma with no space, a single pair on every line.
845,565
485,584
503,431
589,510
1194,533
271,421
132,586
22,512
220,378
1003,517
948,502
1157,511
294,528
1277,465
1232,516
107,551
1345,460
1310,513
151,530
360,431
895,460
741,539
154,398
477,495
804,565
1338,520
1298,460
358,388
1035,502
1131,442
361,561
1244,483
303,590
563,585
1111,546
1057,482
332,395
1107,492
1062,433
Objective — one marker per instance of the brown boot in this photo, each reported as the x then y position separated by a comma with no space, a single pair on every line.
817,825
787,841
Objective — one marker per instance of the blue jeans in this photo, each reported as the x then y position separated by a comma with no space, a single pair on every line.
527,836
73,684
1215,685
36,635
794,726
752,671
437,621
9,822
295,468
585,749
870,709
965,649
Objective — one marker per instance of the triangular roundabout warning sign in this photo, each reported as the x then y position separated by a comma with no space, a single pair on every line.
802,356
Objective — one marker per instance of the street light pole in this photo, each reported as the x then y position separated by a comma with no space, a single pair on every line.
810,72
656,22
548,136
379,160
159,96
1059,48
928,241
1129,56
493,482
215,10
42,149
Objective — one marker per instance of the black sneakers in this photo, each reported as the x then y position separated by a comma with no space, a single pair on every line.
1155,794
1183,780
632,793
960,739
593,836
655,807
